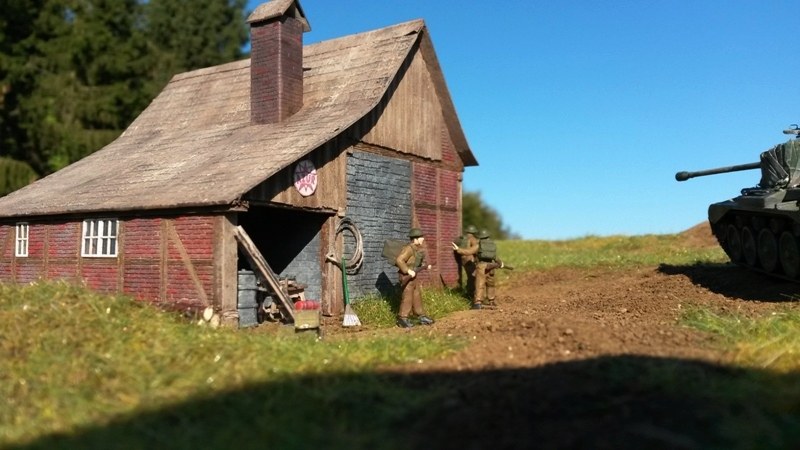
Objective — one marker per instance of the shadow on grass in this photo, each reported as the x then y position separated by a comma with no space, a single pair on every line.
607,403
731,280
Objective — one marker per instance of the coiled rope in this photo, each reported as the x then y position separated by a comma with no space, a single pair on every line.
357,258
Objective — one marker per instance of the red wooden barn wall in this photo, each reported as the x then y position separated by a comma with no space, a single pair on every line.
437,209
161,260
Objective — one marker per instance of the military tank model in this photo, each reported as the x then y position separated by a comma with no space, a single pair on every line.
760,229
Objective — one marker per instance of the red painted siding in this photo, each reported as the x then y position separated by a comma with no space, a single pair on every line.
185,277
450,227
100,274
142,252
6,251
194,227
437,211
450,206
141,279
27,271
64,240
142,240
63,243
450,191
425,188
36,241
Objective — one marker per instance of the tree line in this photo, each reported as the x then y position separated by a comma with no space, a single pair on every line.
475,211
75,73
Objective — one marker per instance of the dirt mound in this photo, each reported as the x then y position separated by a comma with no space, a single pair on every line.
700,235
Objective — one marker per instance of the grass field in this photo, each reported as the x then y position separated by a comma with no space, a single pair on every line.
83,370
613,251
72,358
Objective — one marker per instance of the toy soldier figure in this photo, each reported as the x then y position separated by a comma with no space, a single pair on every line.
484,271
410,258
468,255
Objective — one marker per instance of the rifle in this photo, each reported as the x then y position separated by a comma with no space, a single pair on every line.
794,130
498,265
419,269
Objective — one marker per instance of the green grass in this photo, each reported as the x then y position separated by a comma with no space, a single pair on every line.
613,251
381,311
769,342
71,358
84,370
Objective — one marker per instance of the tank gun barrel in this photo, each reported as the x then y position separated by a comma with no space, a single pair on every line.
683,176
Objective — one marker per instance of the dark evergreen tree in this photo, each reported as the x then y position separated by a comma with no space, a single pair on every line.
75,73
16,28
14,175
81,81
191,34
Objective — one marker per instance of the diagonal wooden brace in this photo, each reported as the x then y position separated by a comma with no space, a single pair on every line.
263,270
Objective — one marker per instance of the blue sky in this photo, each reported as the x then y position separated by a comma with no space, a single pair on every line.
580,112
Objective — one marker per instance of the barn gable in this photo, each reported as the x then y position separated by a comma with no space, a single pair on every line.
410,107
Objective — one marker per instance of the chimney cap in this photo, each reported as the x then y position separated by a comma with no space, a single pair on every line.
278,8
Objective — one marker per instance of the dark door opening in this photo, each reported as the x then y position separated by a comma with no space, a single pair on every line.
290,241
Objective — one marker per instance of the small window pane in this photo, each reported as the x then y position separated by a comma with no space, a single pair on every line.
100,237
21,244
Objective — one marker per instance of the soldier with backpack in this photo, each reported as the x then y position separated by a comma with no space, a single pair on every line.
484,272
467,253
410,258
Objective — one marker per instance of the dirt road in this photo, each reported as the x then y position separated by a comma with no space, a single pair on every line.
572,314
555,365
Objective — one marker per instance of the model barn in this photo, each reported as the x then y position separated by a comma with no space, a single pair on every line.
312,153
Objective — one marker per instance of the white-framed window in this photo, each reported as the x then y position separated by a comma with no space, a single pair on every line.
100,238
21,248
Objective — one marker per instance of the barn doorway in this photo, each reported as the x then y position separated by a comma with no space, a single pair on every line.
290,241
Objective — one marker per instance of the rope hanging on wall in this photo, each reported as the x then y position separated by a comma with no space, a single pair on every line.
357,258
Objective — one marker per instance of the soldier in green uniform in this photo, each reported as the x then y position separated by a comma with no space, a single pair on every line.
484,271
410,258
468,254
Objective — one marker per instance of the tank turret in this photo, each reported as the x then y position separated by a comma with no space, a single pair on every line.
760,228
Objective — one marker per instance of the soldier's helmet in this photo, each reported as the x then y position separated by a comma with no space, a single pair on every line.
415,233
484,234
471,229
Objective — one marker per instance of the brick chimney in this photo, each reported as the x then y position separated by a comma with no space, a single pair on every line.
276,60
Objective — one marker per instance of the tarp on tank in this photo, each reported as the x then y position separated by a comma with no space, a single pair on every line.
780,166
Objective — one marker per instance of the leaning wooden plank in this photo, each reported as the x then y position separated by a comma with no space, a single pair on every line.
262,267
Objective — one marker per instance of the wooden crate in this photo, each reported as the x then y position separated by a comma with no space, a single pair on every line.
306,319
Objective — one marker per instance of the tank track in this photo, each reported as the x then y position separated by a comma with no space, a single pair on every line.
763,244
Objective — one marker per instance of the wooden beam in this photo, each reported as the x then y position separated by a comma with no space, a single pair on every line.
225,259
187,262
262,268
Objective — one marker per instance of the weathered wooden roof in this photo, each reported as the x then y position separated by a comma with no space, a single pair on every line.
194,145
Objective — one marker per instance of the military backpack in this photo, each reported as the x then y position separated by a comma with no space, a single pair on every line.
392,249
487,250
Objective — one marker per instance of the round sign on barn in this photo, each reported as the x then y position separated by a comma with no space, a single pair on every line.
305,177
